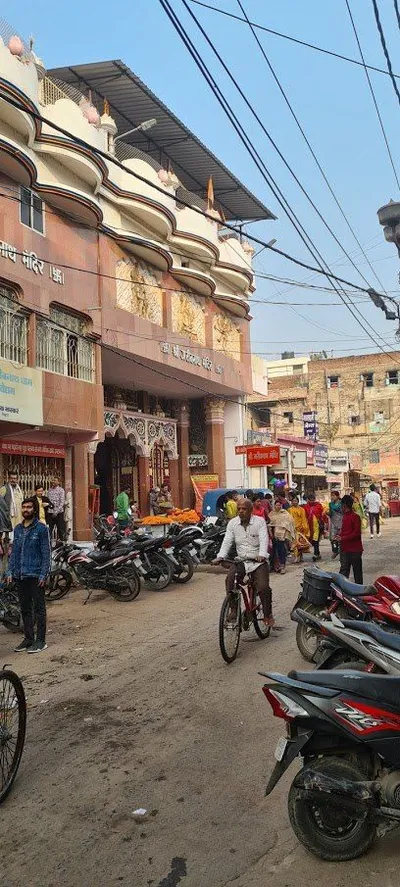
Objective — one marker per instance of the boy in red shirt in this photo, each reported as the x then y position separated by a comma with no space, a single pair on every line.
351,547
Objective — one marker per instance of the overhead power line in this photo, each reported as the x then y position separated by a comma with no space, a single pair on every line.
254,154
96,151
385,49
309,145
259,27
371,89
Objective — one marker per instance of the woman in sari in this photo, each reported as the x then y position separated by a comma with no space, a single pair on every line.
283,531
302,529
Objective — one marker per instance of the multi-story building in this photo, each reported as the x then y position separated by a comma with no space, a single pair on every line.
124,321
356,401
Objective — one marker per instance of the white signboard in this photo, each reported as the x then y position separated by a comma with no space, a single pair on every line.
21,397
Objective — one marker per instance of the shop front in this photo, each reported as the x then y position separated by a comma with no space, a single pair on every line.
139,452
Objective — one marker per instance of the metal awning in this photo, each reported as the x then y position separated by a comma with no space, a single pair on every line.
131,102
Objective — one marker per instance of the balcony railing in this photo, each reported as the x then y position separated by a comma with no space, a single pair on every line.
60,351
13,332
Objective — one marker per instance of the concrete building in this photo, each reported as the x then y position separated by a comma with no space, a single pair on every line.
124,323
356,401
289,366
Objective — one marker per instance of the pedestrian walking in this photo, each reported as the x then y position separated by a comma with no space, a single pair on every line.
335,521
231,504
122,504
29,566
316,522
302,529
283,533
351,547
13,496
56,495
372,503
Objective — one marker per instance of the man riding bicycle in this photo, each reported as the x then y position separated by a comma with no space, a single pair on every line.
250,536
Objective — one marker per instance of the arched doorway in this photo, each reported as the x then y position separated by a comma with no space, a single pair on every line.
115,465
159,468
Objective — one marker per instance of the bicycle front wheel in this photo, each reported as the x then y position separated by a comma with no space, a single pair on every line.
12,728
262,630
230,626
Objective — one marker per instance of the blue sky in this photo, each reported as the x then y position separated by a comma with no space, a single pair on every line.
332,101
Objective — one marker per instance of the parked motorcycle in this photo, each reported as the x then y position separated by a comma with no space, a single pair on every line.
209,545
326,593
180,548
113,571
346,728
353,645
10,613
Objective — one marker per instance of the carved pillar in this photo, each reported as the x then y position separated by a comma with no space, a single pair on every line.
185,487
144,484
174,482
80,483
215,418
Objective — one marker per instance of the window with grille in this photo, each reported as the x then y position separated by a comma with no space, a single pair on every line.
374,456
392,377
62,348
288,418
32,213
333,381
13,328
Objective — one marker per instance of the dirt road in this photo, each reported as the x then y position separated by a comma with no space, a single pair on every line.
132,706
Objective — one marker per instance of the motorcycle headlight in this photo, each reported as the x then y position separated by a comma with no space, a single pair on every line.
395,608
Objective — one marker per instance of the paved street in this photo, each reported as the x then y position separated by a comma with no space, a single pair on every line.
132,706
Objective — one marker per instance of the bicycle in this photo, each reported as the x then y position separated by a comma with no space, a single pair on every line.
233,619
12,728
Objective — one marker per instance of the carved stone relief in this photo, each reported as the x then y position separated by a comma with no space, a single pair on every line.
226,336
188,317
138,290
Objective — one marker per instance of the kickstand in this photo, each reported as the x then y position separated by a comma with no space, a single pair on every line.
88,596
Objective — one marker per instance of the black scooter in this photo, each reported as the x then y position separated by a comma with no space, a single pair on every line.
346,728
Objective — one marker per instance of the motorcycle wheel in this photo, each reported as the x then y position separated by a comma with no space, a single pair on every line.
126,588
161,572
187,568
306,637
328,830
58,585
12,619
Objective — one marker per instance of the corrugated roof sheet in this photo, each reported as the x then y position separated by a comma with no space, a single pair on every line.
132,102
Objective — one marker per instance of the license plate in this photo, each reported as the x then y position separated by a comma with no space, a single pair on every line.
280,748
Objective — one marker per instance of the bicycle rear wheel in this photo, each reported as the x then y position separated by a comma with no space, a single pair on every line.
262,630
230,626
12,728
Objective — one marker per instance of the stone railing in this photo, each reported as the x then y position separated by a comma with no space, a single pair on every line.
145,430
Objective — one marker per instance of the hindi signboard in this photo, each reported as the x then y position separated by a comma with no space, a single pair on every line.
259,456
21,397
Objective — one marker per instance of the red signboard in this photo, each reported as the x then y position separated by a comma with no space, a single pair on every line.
241,449
258,456
201,484
26,448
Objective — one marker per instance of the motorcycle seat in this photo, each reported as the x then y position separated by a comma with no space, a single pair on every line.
100,557
351,588
386,638
380,688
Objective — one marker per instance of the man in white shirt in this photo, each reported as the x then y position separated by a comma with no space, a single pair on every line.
372,503
250,536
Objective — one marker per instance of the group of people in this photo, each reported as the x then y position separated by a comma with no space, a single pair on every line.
50,507
297,526
160,500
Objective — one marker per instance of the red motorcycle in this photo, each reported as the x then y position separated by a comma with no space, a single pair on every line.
325,593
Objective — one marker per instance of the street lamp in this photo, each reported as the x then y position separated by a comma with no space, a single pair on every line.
143,127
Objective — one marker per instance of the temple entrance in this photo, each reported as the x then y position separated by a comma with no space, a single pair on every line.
159,465
115,465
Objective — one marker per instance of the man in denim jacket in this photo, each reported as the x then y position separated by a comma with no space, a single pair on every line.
29,566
